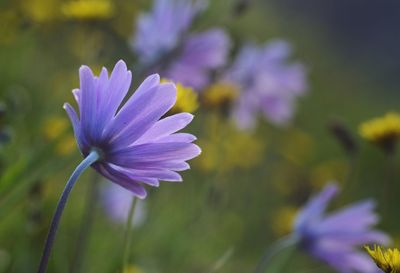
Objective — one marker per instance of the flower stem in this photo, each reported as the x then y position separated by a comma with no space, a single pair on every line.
86,225
89,160
273,250
128,235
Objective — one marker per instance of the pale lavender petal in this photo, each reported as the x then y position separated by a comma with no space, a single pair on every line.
165,127
161,101
75,124
154,152
178,137
88,101
118,178
115,91
316,206
344,219
161,174
171,165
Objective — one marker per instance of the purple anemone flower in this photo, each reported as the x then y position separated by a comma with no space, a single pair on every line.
135,145
269,84
336,238
202,53
161,30
164,32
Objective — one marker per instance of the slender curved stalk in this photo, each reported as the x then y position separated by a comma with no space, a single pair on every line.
222,260
89,160
86,225
273,250
128,235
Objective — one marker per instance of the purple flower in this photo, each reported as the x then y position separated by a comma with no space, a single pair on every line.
164,33
117,203
135,145
269,84
335,238
161,30
201,54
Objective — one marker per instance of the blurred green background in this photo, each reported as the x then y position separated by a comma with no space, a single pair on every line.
243,191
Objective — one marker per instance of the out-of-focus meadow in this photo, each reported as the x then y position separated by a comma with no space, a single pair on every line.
243,192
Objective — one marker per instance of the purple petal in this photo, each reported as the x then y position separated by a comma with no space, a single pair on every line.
178,137
75,124
344,219
316,206
116,177
154,152
170,165
166,127
132,122
88,100
114,91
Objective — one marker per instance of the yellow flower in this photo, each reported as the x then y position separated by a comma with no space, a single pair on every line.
54,127
383,131
186,99
225,148
386,259
284,220
132,269
9,24
220,94
41,11
331,170
88,9
297,146
66,145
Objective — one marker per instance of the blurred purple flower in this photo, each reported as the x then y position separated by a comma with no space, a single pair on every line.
335,238
117,203
161,30
269,84
201,54
162,40
135,145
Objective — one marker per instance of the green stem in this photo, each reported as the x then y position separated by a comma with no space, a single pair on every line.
222,261
86,225
128,235
273,250
89,160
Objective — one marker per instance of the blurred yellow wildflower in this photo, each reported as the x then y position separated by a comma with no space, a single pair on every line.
41,11
186,99
87,46
384,131
331,170
284,220
88,9
132,269
127,12
66,145
386,259
297,146
9,24
54,127
226,148
220,94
